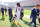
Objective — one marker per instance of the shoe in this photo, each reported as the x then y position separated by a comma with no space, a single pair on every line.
14,21
18,24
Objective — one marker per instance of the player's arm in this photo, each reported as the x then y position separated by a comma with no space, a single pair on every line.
39,12
31,15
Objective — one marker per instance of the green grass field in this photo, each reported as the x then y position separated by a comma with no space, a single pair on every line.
24,23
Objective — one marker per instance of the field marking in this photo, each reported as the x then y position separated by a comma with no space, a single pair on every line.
27,16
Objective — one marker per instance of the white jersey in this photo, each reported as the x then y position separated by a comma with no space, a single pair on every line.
17,11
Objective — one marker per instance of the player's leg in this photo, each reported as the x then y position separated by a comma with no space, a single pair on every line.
30,22
21,16
14,18
14,21
35,23
10,17
18,21
2,15
18,16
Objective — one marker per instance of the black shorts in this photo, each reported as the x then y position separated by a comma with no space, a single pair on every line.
22,15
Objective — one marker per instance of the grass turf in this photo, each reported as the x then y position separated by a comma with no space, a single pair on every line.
4,22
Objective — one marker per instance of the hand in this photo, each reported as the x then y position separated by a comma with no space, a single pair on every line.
38,13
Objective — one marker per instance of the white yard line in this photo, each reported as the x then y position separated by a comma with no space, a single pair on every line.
27,16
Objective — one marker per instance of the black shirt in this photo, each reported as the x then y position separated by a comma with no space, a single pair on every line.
2,10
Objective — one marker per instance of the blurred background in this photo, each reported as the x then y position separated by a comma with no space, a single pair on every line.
27,4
